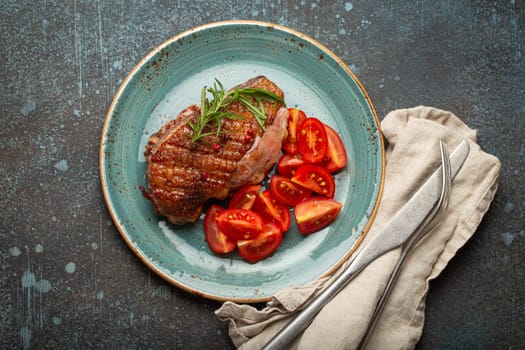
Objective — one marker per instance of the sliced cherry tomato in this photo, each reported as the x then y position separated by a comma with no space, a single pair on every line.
239,223
312,140
295,118
264,245
336,157
272,211
316,213
244,197
286,191
218,241
289,163
316,179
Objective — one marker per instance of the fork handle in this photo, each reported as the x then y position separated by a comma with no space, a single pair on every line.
382,300
427,226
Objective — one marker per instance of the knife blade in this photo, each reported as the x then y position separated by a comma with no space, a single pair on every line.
393,235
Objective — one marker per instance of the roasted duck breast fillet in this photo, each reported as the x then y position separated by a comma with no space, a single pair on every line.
183,174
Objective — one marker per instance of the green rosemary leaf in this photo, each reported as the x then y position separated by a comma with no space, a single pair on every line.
213,111
260,116
204,104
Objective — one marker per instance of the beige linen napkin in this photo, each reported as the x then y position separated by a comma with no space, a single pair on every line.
412,154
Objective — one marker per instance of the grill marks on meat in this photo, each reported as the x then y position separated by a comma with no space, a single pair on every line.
182,175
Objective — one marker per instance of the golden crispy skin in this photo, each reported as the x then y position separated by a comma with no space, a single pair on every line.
182,175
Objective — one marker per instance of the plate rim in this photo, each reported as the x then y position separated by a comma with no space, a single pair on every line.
118,96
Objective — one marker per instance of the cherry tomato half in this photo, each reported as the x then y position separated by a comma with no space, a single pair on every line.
239,223
286,191
295,118
312,140
272,211
316,179
336,157
244,197
217,241
264,245
289,163
316,213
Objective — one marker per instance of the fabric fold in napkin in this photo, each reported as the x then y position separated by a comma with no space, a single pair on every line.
412,154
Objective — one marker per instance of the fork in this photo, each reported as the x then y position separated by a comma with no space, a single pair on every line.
373,250
427,226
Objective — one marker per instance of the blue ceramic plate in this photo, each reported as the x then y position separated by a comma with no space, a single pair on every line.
169,79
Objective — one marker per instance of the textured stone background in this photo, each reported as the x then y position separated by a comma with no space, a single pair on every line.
67,278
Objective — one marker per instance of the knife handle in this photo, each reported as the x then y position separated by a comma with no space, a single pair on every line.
305,317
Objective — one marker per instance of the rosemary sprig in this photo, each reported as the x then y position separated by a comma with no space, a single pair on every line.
214,111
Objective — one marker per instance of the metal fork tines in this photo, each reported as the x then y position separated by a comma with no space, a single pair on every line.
427,226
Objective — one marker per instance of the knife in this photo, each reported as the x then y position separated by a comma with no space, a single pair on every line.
394,234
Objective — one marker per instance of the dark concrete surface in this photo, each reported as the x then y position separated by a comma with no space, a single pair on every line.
67,278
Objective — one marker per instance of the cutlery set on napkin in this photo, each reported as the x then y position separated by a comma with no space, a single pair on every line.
376,300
